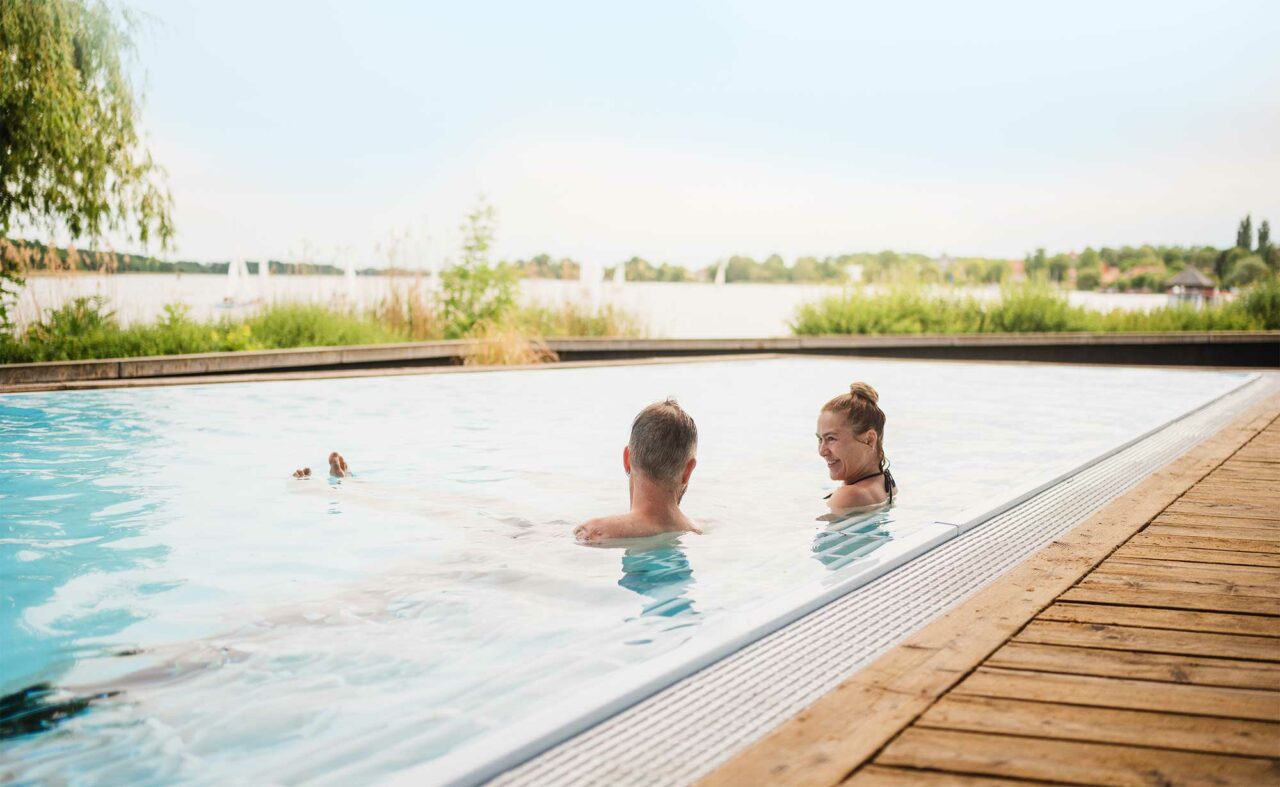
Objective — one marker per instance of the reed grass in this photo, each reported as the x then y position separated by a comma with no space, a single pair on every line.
501,345
1029,308
571,318
86,328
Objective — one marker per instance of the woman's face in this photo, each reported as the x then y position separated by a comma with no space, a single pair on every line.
846,454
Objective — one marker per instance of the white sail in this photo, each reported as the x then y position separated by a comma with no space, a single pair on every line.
591,276
264,281
233,281
720,271
350,276
620,274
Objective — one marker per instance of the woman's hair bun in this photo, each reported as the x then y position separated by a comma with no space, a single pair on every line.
865,391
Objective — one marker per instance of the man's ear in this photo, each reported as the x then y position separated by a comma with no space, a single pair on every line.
626,458
688,470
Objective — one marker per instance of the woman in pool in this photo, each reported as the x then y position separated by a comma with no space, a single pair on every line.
851,440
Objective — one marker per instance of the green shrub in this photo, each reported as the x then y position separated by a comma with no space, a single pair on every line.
1248,270
309,325
1033,309
1028,308
475,291
574,319
1262,304
85,328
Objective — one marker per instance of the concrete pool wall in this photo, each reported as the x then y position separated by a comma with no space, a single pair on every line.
1243,349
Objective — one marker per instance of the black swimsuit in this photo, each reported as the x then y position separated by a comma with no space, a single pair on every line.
889,486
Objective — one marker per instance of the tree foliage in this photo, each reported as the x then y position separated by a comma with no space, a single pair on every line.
70,153
1265,250
1244,234
475,291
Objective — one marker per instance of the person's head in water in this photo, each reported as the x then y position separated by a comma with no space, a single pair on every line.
851,434
663,446
659,459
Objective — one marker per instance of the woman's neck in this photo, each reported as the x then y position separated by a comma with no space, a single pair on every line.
863,472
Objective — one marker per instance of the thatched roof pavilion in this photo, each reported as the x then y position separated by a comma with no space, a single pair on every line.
1190,278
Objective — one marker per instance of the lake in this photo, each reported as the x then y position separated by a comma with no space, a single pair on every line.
666,310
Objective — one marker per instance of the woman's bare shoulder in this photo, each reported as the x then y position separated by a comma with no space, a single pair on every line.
856,496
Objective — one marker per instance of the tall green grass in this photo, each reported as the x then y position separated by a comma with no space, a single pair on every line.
86,328
1032,308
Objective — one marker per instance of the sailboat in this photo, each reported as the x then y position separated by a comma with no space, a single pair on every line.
350,276
620,274
237,280
264,280
591,277
721,270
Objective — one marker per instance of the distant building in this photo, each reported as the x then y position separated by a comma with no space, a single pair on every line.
853,272
1017,270
1191,286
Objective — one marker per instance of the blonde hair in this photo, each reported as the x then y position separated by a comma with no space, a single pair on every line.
861,409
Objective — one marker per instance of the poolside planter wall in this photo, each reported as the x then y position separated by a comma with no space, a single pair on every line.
1256,349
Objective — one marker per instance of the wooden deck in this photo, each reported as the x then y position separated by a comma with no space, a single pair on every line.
1158,665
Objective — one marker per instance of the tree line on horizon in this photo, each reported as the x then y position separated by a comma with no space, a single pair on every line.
1127,268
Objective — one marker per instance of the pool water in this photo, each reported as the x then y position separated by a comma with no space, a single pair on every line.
175,608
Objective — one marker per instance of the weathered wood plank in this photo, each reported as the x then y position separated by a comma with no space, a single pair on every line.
1122,693
1109,579
1245,474
1070,761
1196,542
1159,528
1181,643
1235,490
1205,520
1250,463
1215,556
1235,495
1180,598
1197,670
1240,576
1104,725
880,776
1222,510
1253,574
1176,619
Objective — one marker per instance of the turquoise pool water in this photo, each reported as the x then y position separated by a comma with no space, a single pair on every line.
176,609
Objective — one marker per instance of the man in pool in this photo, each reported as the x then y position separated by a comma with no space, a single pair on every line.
659,459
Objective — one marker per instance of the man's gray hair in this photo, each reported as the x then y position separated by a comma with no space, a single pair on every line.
663,439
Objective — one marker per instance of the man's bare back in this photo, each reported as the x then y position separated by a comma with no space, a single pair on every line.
658,460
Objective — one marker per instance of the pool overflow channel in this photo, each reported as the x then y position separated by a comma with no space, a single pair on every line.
677,717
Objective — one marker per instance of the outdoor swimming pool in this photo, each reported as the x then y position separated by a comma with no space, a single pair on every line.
197,616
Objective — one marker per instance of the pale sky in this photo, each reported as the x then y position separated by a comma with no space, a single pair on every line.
688,131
